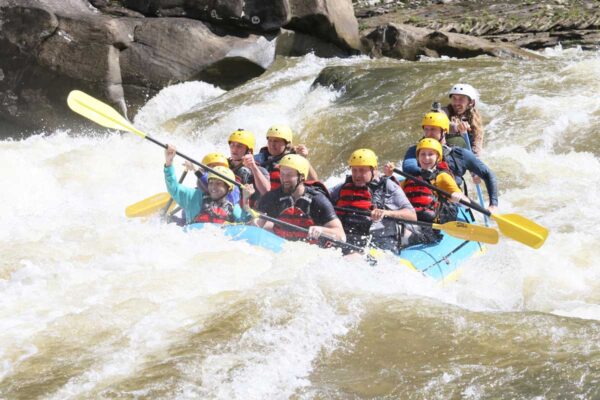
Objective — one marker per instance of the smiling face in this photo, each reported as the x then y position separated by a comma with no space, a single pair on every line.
460,103
289,179
361,175
217,189
427,158
276,146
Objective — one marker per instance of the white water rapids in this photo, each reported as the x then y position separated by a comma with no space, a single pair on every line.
95,305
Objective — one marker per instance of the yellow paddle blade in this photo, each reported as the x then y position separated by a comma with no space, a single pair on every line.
521,229
99,112
149,206
462,230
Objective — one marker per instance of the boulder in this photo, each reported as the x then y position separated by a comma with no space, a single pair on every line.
295,44
332,20
168,50
329,20
157,8
250,14
410,42
50,47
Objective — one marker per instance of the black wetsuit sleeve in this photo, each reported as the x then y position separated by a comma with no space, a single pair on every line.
269,204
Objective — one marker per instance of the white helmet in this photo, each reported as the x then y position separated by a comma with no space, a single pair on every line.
464,89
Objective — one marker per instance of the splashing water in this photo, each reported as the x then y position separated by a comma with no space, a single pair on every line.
95,305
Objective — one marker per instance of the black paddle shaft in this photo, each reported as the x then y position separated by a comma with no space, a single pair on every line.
236,183
430,186
368,213
301,229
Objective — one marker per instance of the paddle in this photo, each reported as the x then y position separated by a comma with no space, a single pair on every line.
477,186
514,226
148,206
458,229
334,242
152,205
103,114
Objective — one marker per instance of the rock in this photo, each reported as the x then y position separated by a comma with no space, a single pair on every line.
409,43
155,8
47,50
99,3
295,44
332,20
251,14
185,49
335,77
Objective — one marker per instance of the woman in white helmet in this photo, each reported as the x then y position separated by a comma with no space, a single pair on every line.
464,118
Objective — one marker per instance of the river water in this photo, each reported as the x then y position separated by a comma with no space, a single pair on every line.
95,305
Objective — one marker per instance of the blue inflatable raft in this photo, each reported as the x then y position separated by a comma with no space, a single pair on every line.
440,261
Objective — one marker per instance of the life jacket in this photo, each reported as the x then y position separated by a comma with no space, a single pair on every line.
361,198
455,164
271,164
456,140
298,212
424,200
242,174
215,214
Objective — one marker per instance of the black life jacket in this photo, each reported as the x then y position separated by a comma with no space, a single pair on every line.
216,214
361,198
298,212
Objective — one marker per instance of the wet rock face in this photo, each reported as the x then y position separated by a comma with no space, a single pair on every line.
50,47
251,14
329,20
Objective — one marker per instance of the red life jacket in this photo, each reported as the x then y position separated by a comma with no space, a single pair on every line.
352,196
424,200
210,213
271,164
298,212
363,198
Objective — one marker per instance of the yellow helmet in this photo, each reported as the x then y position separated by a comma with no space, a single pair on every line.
244,137
223,171
281,132
297,162
436,118
363,158
431,144
215,158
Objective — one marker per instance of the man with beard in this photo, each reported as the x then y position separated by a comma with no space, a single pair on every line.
378,202
300,203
